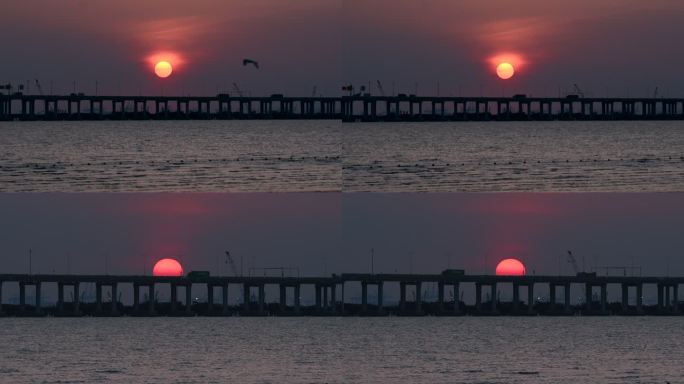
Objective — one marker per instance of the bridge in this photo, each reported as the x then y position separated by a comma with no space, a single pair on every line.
359,108
329,296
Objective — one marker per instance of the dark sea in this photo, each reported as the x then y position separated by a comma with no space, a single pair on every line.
342,350
289,156
514,156
170,156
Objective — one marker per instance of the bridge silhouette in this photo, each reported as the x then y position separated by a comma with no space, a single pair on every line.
330,297
361,108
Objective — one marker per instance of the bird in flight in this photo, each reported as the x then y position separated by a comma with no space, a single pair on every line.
250,61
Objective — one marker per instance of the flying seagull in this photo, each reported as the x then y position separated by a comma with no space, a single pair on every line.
250,61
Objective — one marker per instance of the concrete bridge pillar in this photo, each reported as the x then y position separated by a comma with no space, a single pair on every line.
552,296
675,298
174,298
283,298
224,298
151,299
333,298
588,296
297,294
457,298
245,297
60,297
262,298
668,303
516,297
530,298
115,300
342,297
604,297
318,296
567,297
364,297
1,312
640,298
402,297
660,297
419,298
98,296
136,297
440,296
37,308
22,297
77,298
478,297
188,298
210,298
380,297
326,302
494,297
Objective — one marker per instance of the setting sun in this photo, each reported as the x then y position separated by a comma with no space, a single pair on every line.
167,267
510,267
505,71
163,69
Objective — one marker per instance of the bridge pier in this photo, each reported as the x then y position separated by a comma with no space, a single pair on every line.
364,297
210,298
262,298
516,297
60,298
98,297
115,303
530,298
224,298
136,298
77,299
188,298
174,298
297,300
151,299
640,298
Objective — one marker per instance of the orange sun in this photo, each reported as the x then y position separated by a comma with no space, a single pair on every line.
505,70
510,267
163,69
167,267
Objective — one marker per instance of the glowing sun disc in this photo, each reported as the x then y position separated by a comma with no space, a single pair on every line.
167,267
163,69
510,267
505,71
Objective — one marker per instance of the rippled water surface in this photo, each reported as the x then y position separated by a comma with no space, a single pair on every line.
341,350
514,156
170,156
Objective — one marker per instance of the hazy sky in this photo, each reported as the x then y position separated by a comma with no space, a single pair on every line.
333,232
614,47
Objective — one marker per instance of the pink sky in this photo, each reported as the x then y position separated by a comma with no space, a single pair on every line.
614,47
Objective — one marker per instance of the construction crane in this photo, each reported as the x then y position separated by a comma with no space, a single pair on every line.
655,93
229,260
40,89
382,91
573,262
578,90
237,89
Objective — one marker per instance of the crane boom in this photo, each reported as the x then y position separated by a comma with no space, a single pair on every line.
382,91
229,260
579,91
40,89
237,89
573,262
